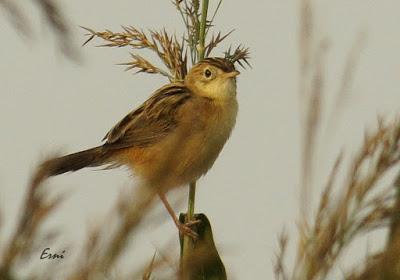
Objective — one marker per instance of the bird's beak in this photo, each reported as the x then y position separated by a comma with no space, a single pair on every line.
232,74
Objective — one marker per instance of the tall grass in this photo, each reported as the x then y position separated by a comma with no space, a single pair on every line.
359,204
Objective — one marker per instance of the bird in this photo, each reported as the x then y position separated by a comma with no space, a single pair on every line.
173,138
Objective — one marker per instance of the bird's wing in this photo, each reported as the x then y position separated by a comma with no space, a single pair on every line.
152,121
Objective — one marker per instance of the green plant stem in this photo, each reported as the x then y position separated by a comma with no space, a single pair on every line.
187,242
201,50
203,27
191,200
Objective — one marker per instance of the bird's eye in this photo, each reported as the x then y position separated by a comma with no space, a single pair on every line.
207,73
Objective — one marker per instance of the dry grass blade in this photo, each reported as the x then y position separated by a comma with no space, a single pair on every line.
390,260
36,210
189,11
17,17
280,270
143,65
348,76
306,48
56,19
130,37
240,55
104,248
371,271
306,39
54,16
312,117
168,49
150,268
215,41
326,195
357,210
216,11
171,53
162,260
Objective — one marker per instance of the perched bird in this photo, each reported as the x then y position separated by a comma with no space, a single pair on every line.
174,137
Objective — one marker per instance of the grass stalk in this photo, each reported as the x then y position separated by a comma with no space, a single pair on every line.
191,200
187,242
201,52
203,27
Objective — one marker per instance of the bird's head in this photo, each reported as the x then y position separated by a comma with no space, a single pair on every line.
214,78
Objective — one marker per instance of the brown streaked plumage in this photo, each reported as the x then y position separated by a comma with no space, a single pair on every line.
174,137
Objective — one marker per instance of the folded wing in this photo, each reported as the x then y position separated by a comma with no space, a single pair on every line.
151,122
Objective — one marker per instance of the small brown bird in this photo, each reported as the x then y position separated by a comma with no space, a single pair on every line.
174,137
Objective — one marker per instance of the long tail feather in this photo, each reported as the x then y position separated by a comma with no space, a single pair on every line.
73,162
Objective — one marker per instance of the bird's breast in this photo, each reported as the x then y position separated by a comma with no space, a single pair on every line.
192,149
222,122
209,134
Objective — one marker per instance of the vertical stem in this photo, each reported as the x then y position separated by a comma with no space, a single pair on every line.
201,50
203,27
187,242
192,196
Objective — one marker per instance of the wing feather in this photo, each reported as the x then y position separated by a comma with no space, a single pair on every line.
152,121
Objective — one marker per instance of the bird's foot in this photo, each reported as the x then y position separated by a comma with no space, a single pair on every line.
185,228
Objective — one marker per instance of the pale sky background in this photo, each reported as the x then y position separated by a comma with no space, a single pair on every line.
49,103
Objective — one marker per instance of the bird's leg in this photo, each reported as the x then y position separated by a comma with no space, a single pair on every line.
183,228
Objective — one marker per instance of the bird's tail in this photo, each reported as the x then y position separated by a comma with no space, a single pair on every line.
73,162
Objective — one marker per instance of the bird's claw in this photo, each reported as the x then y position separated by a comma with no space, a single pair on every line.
185,229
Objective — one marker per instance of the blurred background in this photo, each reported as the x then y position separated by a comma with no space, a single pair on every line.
50,103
